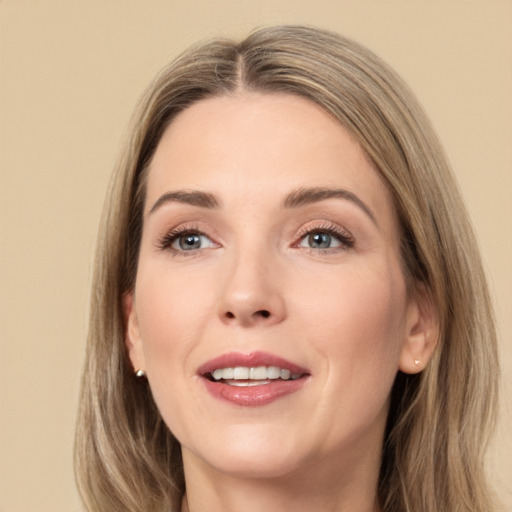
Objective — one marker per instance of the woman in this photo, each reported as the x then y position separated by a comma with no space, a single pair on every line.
289,308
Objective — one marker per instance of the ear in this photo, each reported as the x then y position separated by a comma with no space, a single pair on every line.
133,339
422,332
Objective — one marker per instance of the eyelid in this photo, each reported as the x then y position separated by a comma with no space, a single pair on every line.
176,239
342,235
345,238
166,241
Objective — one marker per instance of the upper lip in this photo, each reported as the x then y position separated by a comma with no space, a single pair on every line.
251,360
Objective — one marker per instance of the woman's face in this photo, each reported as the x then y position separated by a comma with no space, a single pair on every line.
270,310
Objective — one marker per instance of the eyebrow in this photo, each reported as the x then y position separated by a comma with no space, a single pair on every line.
305,196
191,197
295,199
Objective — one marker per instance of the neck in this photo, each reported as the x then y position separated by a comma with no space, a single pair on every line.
322,486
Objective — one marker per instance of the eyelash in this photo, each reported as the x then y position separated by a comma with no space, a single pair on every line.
346,239
165,243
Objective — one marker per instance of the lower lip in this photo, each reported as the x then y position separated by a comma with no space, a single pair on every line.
254,396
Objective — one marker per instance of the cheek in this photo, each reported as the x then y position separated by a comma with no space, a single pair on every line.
360,327
172,314
358,330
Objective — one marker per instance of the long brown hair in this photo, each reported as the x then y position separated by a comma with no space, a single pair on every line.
439,420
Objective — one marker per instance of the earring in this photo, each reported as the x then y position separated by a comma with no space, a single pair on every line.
417,362
140,374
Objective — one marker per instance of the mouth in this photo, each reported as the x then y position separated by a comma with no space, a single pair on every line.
244,376
251,379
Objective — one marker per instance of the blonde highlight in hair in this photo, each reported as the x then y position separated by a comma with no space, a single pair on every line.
440,420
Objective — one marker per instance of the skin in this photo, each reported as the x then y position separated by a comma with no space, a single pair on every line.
343,312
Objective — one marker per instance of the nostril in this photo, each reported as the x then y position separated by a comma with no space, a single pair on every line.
260,313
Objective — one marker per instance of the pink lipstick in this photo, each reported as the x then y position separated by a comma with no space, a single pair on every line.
253,379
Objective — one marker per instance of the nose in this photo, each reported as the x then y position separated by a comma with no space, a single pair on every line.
251,293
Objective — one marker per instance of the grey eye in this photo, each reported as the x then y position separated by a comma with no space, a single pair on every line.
189,242
319,240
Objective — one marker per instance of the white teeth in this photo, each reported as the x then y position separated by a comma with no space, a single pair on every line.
241,373
218,374
273,372
228,373
258,373
248,383
285,374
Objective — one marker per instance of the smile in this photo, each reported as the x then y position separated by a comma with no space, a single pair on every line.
252,376
251,379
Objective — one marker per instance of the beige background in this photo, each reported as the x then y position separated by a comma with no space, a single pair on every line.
70,73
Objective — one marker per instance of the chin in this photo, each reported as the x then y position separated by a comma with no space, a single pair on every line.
245,454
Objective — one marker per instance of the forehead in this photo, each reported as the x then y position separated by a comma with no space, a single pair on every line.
261,145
